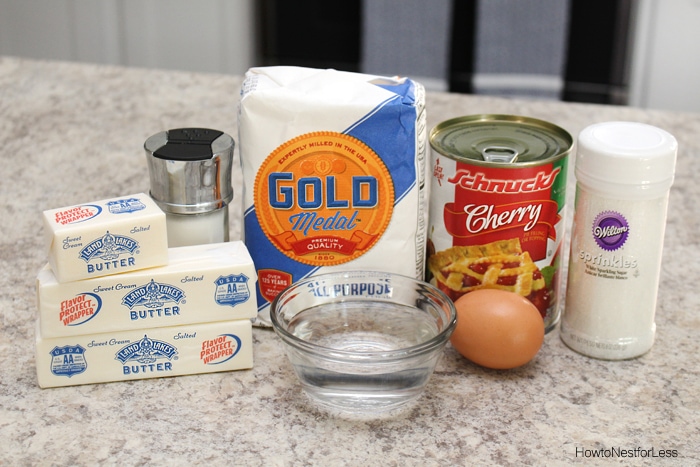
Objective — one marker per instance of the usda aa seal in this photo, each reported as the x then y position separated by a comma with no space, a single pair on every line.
232,289
127,205
68,360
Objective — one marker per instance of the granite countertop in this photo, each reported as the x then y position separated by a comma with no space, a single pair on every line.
73,133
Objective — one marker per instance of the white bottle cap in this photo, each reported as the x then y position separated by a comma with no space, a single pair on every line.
626,153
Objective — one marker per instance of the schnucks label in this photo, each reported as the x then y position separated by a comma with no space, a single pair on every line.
336,167
492,203
499,224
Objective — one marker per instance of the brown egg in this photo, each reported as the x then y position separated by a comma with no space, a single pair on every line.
497,329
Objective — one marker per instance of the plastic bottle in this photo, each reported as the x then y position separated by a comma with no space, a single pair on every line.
624,172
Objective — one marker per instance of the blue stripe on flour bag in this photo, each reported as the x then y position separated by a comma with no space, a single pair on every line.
393,147
395,144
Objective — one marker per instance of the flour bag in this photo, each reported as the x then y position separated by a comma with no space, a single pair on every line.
334,167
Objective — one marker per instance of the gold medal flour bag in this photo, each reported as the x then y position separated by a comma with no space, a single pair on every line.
334,170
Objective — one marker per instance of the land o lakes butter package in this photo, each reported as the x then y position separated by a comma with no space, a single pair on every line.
201,283
334,165
141,354
106,237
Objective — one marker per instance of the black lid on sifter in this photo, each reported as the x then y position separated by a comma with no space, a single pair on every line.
190,169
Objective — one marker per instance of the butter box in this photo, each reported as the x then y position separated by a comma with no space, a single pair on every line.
106,237
201,283
141,354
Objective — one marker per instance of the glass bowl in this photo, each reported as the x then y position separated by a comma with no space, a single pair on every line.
363,341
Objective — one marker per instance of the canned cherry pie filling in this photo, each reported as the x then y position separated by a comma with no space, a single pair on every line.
497,208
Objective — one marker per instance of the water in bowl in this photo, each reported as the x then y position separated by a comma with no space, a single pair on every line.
364,327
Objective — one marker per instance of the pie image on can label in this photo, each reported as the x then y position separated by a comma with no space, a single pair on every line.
497,208
323,198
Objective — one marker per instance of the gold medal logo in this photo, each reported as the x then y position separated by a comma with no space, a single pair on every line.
323,198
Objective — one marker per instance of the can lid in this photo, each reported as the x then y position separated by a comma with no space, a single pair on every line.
628,153
500,139
190,169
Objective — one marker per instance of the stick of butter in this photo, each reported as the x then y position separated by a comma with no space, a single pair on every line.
201,283
106,237
141,354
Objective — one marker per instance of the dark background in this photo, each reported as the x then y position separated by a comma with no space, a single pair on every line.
596,49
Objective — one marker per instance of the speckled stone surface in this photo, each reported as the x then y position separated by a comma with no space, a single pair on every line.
72,133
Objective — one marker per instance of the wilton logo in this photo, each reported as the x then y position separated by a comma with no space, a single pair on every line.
610,230
147,352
